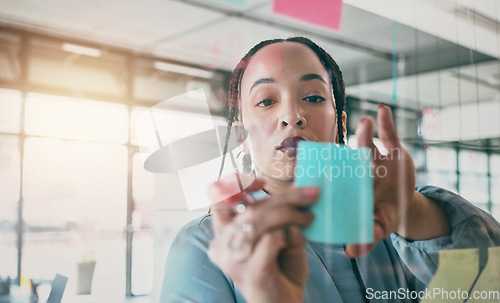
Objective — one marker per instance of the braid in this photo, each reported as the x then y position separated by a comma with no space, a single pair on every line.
226,139
330,65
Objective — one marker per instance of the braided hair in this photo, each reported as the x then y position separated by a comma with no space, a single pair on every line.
330,65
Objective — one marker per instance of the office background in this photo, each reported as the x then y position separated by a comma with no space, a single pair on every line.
76,75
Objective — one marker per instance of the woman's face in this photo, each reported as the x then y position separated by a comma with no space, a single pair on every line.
286,96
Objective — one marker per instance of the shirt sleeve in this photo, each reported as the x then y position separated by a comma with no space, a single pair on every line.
189,274
471,227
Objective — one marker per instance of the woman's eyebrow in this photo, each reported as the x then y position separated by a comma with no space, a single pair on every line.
308,77
260,81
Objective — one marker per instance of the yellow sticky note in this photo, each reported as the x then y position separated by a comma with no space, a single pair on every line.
487,287
457,271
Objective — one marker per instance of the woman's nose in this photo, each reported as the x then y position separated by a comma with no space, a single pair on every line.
294,119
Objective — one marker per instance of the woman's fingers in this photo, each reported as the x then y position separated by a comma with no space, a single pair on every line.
364,136
298,197
277,211
230,188
274,212
278,217
225,194
386,128
267,249
364,132
283,209
359,250
294,257
285,244
240,231
288,243
386,187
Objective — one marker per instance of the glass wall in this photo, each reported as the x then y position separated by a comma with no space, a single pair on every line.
75,192
474,177
442,167
69,156
9,197
495,185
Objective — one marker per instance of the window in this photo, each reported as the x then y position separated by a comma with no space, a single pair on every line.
441,167
474,188
152,86
10,44
152,127
75,157
75,192
9,197
78,119
495,185
495,164
10,113
418,155
473,162
474,177
50,66
143,192
441,159
445,180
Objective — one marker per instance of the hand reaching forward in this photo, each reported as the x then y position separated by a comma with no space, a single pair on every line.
259,245
394,180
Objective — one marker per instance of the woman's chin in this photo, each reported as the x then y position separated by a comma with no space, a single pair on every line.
285,175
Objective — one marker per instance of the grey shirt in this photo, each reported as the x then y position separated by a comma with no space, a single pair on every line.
395,263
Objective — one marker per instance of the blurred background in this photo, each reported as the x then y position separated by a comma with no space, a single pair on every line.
75,76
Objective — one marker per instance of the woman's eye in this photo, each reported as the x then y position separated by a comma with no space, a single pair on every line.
265,103
314,99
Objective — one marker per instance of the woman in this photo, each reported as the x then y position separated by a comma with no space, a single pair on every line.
281,92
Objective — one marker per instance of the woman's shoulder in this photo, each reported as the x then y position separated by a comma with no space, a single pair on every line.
189,275
198,232
456,207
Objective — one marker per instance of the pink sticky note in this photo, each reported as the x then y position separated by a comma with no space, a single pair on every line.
321,12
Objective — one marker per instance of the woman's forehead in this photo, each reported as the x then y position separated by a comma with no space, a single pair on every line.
280,60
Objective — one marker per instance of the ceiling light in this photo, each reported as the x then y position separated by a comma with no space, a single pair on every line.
180,69
494,79
82,50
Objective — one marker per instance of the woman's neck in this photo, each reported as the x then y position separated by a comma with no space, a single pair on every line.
274,185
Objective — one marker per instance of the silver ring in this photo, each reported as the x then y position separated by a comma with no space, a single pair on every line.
241,243
240,208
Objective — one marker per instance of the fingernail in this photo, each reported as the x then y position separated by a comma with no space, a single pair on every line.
381,105
310,193
362,120
309,216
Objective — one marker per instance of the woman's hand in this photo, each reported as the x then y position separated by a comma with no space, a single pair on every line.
397,206
259,245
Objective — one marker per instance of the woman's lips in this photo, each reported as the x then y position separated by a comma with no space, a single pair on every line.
290,151
289,145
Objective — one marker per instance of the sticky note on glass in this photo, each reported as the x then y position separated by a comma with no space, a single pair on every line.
326,13
231,3
457,270
489,279
344,210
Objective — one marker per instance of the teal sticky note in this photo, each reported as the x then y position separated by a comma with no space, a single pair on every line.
344,210
240,4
